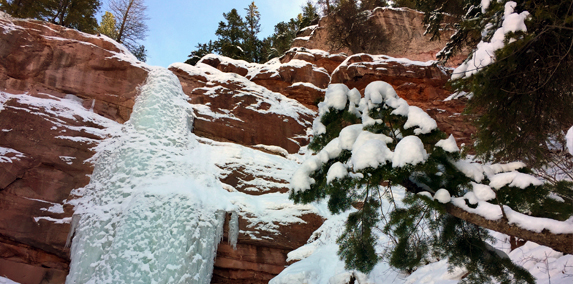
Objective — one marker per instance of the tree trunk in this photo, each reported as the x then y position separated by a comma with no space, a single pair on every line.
559,242
123,20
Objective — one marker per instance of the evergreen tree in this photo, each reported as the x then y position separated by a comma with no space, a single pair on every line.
326,6
309,15
231,36
25,8
405,3
76,14
372,4
107,25
368,147
523,98
252,45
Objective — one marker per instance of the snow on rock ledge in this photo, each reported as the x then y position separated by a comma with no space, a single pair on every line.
229,107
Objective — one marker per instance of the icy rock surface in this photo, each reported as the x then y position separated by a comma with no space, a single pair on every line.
152,212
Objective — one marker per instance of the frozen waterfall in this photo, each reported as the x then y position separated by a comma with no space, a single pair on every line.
153,211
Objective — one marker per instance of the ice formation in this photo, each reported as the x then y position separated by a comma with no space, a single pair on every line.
148,214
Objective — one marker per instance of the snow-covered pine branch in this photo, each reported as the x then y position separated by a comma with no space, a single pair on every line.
364,143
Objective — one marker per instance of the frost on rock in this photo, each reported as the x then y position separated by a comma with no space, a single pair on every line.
410,150
420,119
7,155
152,212
449,145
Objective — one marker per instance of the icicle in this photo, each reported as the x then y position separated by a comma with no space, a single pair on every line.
73,226
233,229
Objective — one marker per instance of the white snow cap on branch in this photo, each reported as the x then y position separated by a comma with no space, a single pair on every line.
348,135
381,92
410,150
515,179
569,138
335,97
484,55
371,153
418,117
336,171
442,195
483,192
449,145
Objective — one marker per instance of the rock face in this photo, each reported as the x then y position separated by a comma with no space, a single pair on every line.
62,92
404,36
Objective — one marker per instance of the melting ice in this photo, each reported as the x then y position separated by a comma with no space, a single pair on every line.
153,211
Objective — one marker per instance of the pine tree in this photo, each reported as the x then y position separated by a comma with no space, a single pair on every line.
76,14
372,4
25,8
368,147
309,15
231,35
523,98
107,25
252,44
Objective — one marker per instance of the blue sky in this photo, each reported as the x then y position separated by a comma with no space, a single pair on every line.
176,26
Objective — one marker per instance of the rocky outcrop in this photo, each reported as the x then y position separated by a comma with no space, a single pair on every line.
404,31
229,107
289,75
